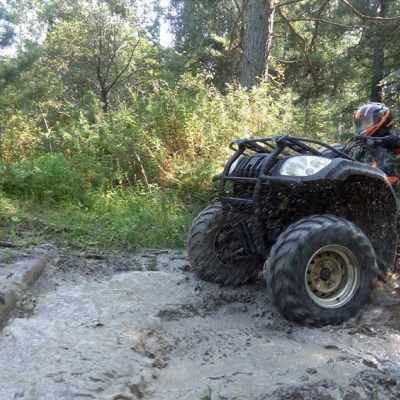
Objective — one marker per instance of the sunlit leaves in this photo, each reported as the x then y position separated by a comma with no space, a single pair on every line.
95,49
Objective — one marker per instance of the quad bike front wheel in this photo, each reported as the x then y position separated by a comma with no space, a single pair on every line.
321,271
215,252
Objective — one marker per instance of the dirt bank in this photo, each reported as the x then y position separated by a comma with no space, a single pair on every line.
144,327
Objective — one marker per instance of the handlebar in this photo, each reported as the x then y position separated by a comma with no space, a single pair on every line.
377,141
389,142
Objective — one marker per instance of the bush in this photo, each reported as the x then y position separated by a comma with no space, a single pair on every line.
49,178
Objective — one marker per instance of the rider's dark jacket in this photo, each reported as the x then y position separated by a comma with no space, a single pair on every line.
386,160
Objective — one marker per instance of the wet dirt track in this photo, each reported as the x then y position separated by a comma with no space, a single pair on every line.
144,327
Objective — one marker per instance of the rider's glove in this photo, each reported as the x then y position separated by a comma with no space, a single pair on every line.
391,142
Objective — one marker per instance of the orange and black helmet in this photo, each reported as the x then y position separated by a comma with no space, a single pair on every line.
373,119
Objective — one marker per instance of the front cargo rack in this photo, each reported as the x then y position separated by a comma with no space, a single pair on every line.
263,154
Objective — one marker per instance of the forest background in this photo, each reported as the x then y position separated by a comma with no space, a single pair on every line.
110,138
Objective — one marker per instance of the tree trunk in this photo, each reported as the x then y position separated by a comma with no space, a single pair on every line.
378,58
257,42
268,44
104,100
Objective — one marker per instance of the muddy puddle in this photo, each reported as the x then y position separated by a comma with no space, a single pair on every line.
144,327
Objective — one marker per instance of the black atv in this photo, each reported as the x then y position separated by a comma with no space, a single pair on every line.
323,224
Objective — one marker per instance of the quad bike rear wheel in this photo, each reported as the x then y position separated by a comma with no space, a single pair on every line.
215,252
321,271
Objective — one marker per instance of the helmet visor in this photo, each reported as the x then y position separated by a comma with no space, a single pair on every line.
363,124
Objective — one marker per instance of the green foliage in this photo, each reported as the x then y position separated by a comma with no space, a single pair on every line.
18,138
106,53
208,34
178,138
120,219
189,127
143,219
114,142
10,210
56,180
137,177
49,178
126,219
7,30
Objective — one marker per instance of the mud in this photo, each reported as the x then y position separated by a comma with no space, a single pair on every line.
144,327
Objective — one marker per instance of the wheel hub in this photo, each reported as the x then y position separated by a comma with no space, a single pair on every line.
325,274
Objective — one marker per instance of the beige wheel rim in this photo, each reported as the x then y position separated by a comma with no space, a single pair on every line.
332,276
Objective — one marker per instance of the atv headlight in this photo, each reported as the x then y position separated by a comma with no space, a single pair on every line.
303,165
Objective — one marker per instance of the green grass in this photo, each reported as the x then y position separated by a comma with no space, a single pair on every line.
123,219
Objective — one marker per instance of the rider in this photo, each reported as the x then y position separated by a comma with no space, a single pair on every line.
375,120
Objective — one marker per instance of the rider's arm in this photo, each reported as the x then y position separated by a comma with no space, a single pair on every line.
392,144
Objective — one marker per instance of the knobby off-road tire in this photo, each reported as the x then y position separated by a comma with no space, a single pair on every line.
215,253
321,271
